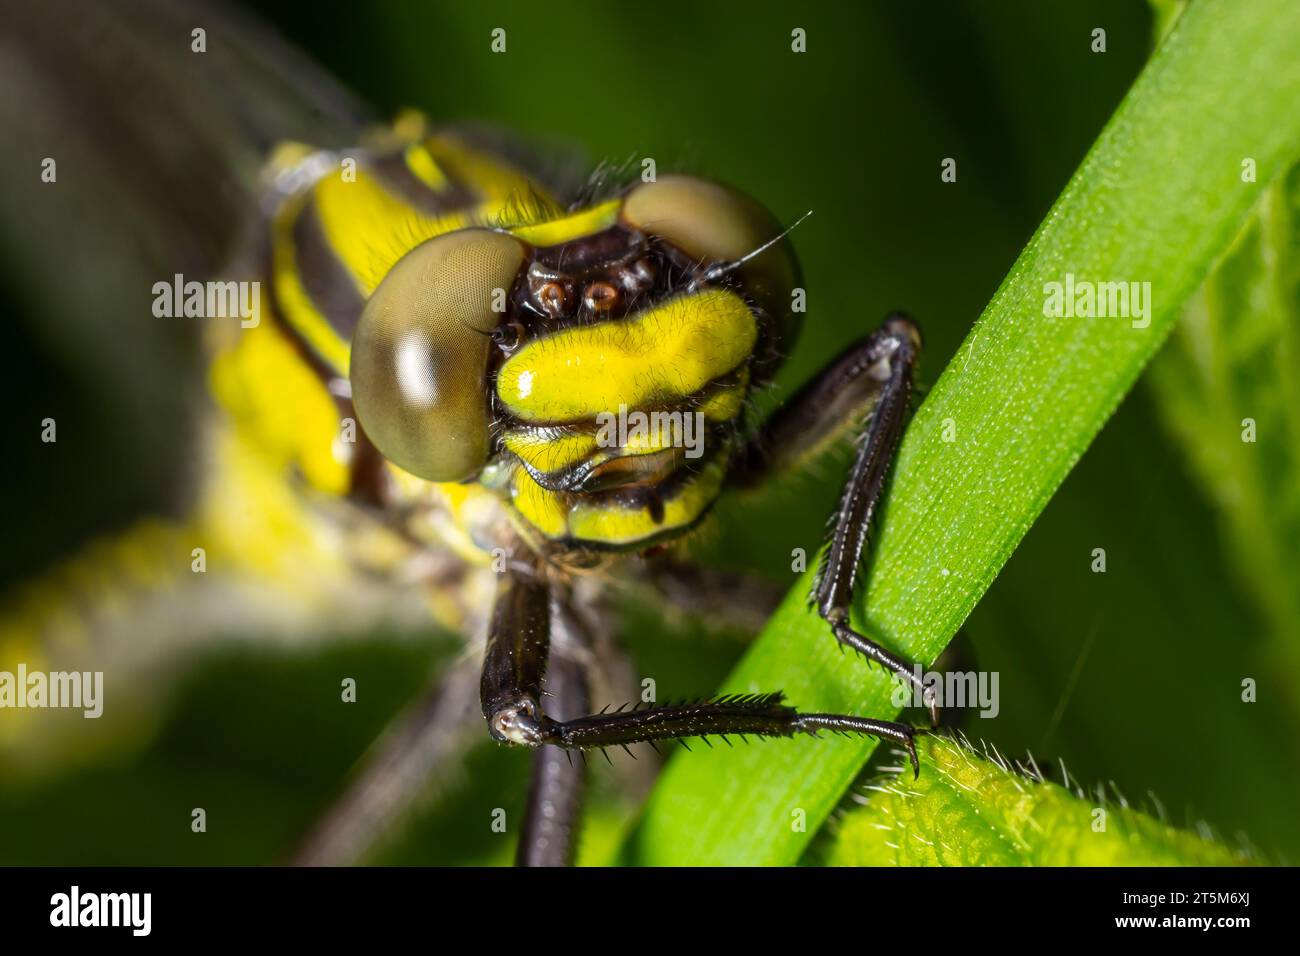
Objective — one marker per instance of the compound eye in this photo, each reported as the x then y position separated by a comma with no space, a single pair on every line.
713,224
709,222
420,353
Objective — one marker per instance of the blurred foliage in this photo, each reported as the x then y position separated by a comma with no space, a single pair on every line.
1132,676
1229,390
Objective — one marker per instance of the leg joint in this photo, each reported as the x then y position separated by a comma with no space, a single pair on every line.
516,722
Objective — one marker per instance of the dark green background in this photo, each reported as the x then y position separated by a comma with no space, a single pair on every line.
1131,677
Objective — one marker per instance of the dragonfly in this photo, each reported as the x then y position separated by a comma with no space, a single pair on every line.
468,377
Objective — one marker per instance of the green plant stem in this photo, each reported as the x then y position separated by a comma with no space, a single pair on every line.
1158,199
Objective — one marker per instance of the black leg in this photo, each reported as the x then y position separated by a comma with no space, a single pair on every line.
511,695
763,715
550,830
872,378
514,662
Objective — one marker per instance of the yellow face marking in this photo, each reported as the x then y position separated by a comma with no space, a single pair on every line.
546,451
601,520
594,519
649,441
664,354
544,510
726,401
584,223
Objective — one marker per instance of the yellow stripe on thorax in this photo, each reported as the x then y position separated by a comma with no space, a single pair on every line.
425,168
280,404
295,304
491,179
368,228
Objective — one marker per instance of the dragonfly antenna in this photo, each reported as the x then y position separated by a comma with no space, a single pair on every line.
722,268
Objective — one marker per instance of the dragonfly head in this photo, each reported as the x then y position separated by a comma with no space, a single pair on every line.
645,300
675,297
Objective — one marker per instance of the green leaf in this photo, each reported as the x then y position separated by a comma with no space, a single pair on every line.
1158,199
1228,388
968,811
1165,13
